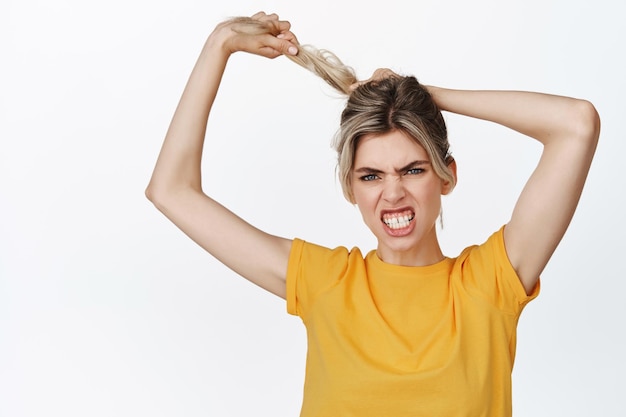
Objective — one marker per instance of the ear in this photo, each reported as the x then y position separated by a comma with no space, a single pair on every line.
447,186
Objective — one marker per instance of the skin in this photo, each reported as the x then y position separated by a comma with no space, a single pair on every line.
392,176
567,128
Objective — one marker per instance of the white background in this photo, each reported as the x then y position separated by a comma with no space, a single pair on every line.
106,309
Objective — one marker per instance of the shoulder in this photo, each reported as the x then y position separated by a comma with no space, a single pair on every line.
313,268
492,250
309,255
485,271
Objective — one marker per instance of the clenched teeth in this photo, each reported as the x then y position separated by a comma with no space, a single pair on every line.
398,222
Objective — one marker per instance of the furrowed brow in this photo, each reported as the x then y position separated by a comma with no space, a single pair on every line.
413,164
368,170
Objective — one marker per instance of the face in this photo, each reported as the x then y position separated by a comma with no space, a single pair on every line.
399,196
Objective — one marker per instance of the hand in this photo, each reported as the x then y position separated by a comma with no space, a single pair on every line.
261,34
379,74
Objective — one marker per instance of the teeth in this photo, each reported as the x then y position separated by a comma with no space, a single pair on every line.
398,222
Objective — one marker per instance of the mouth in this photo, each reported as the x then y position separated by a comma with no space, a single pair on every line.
398,220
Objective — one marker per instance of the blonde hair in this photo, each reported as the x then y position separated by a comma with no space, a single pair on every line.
319,61
375,107
386,105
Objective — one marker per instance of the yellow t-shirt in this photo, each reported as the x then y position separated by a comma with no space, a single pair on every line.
389,340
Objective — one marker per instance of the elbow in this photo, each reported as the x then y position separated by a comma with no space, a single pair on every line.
159,198
587,124
150,193
156,195
166,197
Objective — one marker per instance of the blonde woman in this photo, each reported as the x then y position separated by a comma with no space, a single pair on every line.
401,330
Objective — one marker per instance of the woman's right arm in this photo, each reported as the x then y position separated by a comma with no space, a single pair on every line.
175,187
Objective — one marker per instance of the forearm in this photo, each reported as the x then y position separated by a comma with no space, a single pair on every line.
547,118
178,164
568,129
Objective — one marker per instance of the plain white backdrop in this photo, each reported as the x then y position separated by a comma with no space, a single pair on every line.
106,309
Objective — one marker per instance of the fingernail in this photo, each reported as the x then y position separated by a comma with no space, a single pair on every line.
293,50
280,35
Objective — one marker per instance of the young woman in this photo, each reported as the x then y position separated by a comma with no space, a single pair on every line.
403,330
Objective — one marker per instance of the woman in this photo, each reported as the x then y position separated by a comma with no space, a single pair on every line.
404,330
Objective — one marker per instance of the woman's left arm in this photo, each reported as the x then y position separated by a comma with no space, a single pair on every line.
568,130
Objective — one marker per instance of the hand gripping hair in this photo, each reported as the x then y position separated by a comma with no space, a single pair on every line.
321,62
385,103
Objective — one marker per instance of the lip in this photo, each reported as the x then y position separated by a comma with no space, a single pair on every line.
396,210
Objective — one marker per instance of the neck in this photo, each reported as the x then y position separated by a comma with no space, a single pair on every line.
421,255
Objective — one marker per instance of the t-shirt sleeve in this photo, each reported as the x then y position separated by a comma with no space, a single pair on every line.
488,273
311,270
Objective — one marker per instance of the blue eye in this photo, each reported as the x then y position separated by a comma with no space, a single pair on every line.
414,171
369,177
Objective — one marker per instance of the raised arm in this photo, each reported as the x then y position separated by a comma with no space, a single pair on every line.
568,129
175,187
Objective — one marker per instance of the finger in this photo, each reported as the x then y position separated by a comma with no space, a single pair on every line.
268,17
288,36
258,15
379,74
279,26
354,86
269,52
281,46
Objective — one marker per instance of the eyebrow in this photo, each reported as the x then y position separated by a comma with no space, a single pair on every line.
363,170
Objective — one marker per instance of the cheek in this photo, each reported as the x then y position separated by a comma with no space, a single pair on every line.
428,195
432,188
365,199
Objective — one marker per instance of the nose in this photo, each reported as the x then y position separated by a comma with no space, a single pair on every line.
393,190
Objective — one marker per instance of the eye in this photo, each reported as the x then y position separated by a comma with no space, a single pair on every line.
414,171
369,177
